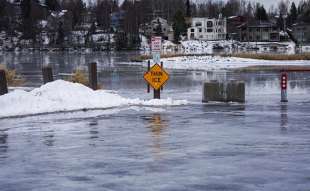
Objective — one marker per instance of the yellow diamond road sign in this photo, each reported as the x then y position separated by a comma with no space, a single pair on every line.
156,77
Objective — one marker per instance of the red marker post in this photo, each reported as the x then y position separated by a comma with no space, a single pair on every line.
284,78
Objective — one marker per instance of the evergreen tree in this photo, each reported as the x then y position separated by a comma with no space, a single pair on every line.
179,25
60,34
29,27
188,9
292,18
52,5
158,29
26,8
260,13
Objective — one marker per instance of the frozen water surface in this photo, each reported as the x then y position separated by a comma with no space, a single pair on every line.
259,145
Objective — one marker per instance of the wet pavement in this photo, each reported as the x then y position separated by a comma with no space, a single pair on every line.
260,145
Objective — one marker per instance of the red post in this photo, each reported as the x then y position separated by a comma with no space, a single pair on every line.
284,78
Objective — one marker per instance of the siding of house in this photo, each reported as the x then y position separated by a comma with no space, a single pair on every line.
207,29
259,32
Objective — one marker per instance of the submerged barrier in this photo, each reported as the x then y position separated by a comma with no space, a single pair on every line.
232,91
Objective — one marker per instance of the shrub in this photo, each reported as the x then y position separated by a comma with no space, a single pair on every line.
79,76
13,79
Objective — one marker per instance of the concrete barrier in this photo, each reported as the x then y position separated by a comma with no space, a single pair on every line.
232,91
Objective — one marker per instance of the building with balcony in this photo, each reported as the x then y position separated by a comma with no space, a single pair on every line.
207,29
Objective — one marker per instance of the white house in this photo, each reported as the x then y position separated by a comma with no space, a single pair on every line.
207,29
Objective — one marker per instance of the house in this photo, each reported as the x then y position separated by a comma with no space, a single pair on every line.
233,23
57,21
301,32
207,29
117,20
259,31
158,26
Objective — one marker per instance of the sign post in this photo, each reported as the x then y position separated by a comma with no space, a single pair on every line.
284,77
156,76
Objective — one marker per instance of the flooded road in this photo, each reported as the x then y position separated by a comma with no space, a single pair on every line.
259,145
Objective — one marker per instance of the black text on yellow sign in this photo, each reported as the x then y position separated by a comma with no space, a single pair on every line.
156,77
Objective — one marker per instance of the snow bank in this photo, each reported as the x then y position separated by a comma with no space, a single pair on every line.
211,63
203,46
59,96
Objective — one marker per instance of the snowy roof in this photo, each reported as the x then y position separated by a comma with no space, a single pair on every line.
59,14
301,24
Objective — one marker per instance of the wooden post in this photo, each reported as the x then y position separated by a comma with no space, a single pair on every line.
157,94
162,66
148,69
47,72
3,83
93,82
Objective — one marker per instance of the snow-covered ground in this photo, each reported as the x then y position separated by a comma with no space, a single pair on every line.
222,63
60,96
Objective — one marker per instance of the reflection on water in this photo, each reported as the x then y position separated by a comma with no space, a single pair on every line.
158,127
49,138
284,117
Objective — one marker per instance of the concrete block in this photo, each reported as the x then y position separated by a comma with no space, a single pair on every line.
233,91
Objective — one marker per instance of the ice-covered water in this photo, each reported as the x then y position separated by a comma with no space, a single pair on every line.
259,145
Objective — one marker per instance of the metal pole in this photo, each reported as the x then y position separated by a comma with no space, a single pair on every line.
284,78
157,94
148,69
162,66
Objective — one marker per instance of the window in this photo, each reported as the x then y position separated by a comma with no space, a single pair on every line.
198,24
209,30
266,30
209,24
258,29
192,30
200,30
220,23
257,37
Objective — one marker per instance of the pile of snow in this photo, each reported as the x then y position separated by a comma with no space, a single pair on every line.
208,47
60,96
203,46
267,47
211,63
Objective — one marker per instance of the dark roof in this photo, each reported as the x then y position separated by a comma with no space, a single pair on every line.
301,24
261,24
